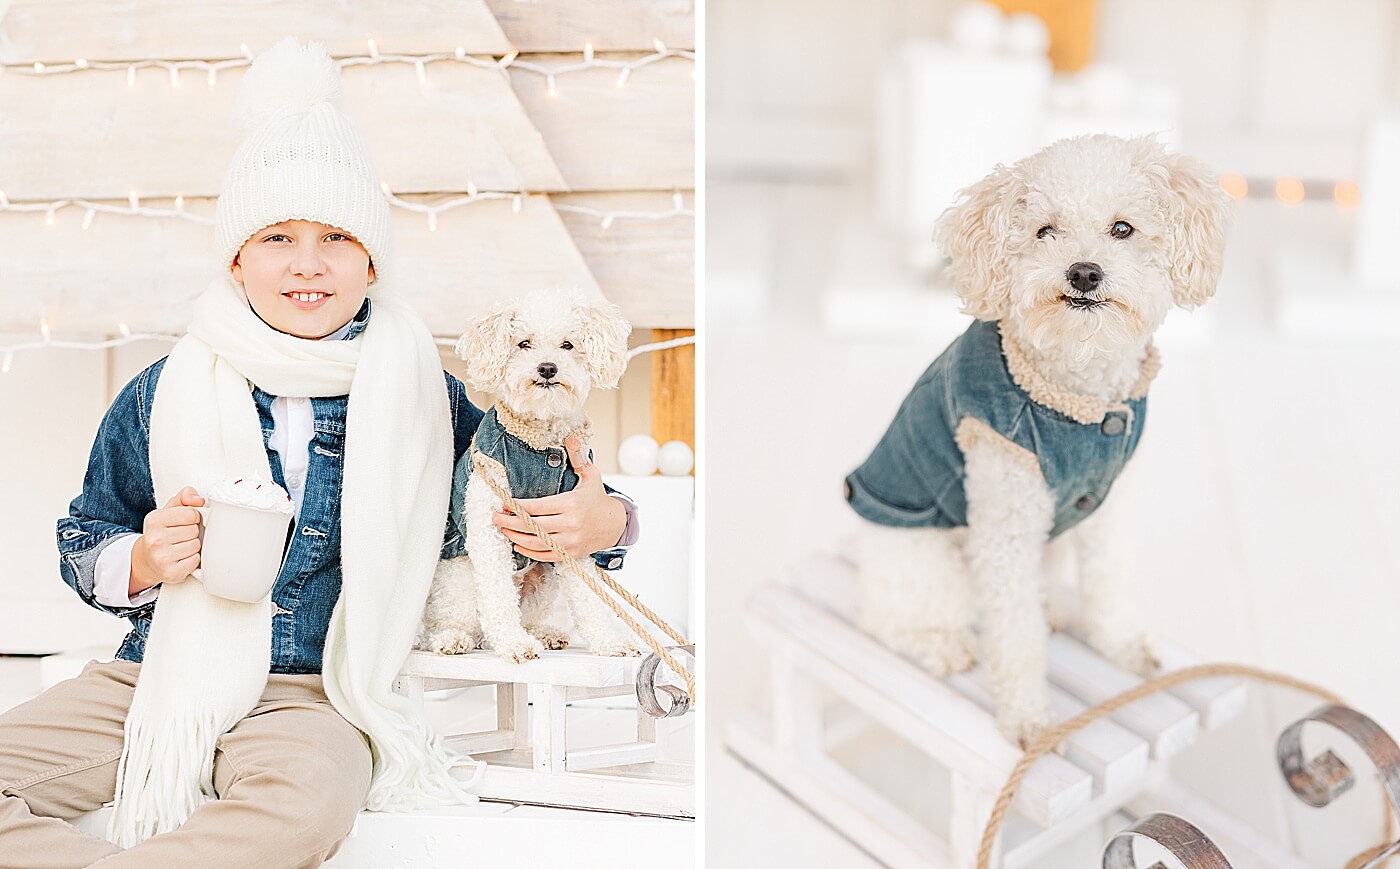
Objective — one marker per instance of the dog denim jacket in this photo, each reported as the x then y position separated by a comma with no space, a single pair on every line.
914,477
531,473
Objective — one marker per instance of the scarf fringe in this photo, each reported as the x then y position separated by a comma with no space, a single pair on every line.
165,773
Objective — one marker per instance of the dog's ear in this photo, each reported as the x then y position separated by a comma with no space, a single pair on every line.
486,348
1198,212
604,340
973,235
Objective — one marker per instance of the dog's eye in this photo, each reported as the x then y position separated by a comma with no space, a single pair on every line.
567,345
524,345
1045,231
1121,229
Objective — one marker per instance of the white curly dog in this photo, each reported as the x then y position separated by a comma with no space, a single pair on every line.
540,356
1072,257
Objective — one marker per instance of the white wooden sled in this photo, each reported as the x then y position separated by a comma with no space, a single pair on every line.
528,758
834,688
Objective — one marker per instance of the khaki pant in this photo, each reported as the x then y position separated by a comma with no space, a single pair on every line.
291,777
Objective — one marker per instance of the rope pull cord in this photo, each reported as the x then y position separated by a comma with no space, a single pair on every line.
590,578
1372,858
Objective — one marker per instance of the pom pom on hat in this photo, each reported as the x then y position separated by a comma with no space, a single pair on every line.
287,77
301,158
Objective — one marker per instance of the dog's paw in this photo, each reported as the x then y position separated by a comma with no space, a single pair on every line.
519,649
451,641
1023,727
941,651
1134,654
549,636
616,647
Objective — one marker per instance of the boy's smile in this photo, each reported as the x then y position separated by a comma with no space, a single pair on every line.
304,278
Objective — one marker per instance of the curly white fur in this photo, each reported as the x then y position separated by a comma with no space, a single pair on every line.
541,356
1011,242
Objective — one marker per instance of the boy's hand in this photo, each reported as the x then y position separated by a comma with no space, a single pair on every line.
168,548
582,520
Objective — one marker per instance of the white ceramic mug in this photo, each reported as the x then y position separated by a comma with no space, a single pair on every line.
240,549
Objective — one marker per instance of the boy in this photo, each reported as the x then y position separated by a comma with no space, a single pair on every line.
283,374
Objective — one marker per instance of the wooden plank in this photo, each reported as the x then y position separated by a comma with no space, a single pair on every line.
581,759
619,25
923,710
673,390
480,254
1168,724
649,262
567,667
468,128
52,32
640,136
880,833
1115,757
661,789
547,727
1217,700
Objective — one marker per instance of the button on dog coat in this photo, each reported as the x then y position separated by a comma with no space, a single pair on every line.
914,478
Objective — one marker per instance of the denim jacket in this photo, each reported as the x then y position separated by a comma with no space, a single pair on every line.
117,494
531,473
914,477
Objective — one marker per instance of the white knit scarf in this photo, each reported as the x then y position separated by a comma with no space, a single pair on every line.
207,658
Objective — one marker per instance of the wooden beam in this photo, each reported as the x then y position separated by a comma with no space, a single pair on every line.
1071,24
673,390
618,25
213,29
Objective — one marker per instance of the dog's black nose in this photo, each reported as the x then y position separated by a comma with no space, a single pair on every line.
547,369
1084,277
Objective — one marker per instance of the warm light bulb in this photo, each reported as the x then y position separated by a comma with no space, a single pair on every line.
81,63
384,186
626,73
44,327
38,68
174,77
1347,194
471,189
87,218
422,73
124,329
607,222
508,59
1234,186
131,76
247,52
515,204
550,89
48,217
660,46
9,358
1289,190
373,49
179,203
677,201
461,53
4,200
588,52
213,76
134,200
432,221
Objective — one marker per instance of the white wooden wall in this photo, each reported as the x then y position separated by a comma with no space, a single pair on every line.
90,135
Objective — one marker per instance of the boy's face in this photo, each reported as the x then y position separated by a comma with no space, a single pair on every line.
303,278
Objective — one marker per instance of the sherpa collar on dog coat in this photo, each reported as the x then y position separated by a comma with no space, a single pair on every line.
914,478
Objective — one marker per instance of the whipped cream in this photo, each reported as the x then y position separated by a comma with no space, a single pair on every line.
252,492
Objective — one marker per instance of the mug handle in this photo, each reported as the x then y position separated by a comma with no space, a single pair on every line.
203,524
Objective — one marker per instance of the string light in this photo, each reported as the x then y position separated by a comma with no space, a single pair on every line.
1289,190
134,208
511,61
1234,186
1347,194
129,337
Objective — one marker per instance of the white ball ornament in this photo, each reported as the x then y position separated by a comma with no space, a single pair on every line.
637,455
979,27
675,458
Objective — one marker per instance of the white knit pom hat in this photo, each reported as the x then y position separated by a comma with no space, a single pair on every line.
301,158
